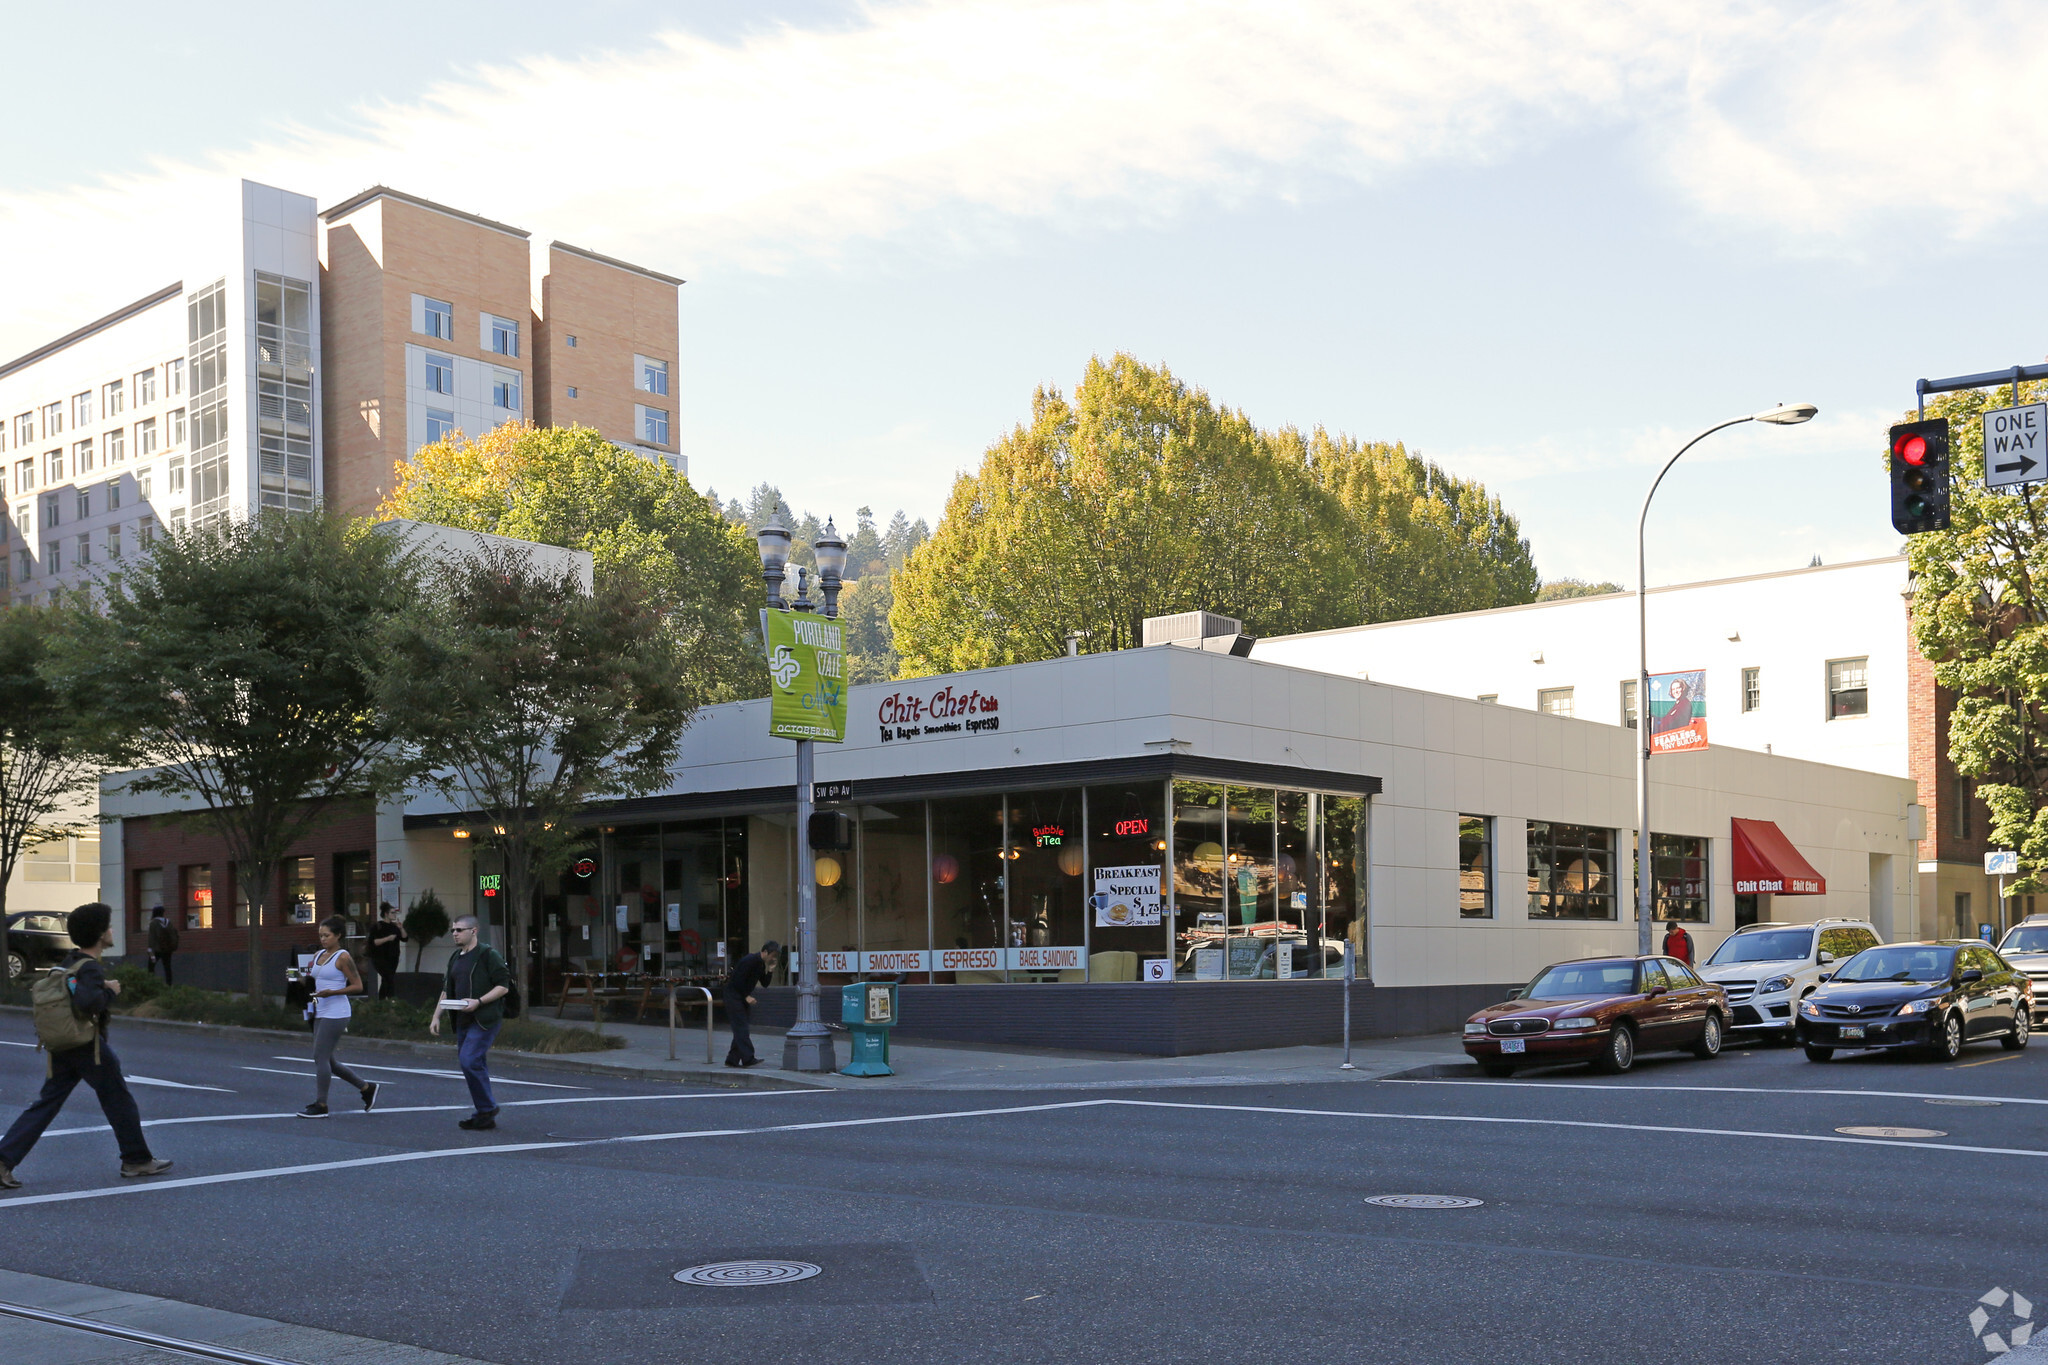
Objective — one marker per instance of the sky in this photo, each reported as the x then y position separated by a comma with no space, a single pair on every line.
1543,245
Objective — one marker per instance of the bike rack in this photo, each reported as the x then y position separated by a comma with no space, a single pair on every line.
709,1044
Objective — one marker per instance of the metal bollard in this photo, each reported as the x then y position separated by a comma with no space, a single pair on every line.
1348,974
710,1023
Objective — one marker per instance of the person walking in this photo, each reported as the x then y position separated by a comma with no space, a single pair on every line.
385,937
755,969
335,979
1678,943
91,928
163,941
473,989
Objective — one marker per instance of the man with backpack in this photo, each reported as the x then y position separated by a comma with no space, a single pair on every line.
477,990
163,941
71,1002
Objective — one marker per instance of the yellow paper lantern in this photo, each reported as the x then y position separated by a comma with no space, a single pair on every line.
1070,861
1208,853
827,871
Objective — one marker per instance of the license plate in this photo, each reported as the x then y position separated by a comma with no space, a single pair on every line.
1513,1045
1852,1030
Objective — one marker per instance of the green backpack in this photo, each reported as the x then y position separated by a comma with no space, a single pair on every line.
59,1025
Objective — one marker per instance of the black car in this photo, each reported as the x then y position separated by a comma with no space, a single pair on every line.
1935,997
35,940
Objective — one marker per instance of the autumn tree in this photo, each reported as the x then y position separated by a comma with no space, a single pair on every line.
48,779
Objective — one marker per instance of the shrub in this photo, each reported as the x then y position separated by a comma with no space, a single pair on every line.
426,921
138,984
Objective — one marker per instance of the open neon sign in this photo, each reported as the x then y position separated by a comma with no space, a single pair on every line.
1131,829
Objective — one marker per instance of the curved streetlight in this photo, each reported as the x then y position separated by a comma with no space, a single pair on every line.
1783,415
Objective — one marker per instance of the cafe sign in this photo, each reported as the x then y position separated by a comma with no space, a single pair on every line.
807,667
922,713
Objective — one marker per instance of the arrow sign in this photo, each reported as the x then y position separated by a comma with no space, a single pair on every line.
2016,445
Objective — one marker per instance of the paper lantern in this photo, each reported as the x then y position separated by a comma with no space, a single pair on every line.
827,870
1070,861
945,869
1208,853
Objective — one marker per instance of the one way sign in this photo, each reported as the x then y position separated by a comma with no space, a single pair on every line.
2014,449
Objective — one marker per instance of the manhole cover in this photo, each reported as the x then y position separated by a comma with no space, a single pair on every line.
1968,1104
1424,1201
1893,1132
746,1274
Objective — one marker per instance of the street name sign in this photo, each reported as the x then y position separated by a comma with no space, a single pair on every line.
2016,445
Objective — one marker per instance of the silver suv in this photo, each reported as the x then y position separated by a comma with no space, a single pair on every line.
1767,969
2025,946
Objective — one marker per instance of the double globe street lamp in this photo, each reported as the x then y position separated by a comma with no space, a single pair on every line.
808,1045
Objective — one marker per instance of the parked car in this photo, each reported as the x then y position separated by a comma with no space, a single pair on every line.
2025,946
35,940
1936,997
1603,1010
1767,969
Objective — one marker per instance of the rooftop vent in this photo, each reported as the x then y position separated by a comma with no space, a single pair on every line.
1199,630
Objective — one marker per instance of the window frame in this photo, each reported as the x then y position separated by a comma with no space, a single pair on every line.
1752,689
499,336
437,367
1542,843
1628,702
1832,675
1488,852
436,318
650,375
1547,696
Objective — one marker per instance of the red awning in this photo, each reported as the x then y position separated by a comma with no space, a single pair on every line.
1765,861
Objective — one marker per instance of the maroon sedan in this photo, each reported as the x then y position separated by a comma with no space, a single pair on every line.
1603,1010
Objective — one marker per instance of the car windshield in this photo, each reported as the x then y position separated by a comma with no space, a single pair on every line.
2028,939
1577,980
1920,962
1766,945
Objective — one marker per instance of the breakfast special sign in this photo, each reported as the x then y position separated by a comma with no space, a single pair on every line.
1126,896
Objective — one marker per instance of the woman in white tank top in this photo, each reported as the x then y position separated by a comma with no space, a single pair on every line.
335,979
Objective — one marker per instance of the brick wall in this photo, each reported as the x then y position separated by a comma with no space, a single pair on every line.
614,313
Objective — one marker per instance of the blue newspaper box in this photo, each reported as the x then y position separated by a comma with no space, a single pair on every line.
868,1009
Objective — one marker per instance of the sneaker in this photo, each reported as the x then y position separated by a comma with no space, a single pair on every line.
7,1180
155,1166
313,1111
478,1123
369,1097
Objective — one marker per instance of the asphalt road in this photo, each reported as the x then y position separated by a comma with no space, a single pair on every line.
1687,1210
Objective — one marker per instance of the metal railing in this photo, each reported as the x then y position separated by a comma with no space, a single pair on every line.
709,1044
198,1350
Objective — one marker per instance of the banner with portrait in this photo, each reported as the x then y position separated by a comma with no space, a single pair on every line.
1677,711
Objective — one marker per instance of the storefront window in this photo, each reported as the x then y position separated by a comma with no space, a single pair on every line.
894,894
634,916
770,912
1047,940
1252,921
1301,919
301,890
1475,866
1678,865
836,874
1126,879
352,885
1571,871
1344,864
1199,881
692,897
198,895
967,878
149,895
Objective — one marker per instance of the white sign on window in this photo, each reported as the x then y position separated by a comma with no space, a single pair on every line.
1158,969
1126,896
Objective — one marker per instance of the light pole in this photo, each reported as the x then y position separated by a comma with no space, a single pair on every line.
808,1044
1784,415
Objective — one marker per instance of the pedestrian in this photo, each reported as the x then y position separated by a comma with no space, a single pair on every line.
163,941
385,937
750,971
82,1015
1678,943
473,989
335,979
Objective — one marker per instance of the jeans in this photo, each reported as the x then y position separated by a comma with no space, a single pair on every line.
473,1046
162,960
740,1019
326,1035
67,1069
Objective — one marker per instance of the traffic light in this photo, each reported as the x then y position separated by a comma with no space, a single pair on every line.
831,829
1919,469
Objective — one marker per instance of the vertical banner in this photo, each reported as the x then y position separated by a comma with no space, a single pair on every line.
807,665
1678,711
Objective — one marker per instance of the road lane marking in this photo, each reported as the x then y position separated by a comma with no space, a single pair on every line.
273,1071
445,1075
133,1079
5,1043
383,1109
2010,1057
1720,1089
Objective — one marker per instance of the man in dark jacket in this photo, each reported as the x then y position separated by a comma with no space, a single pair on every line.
755,969
473,989
1677,942
91,928
163,941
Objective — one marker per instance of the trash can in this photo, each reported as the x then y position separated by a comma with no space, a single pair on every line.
868,1009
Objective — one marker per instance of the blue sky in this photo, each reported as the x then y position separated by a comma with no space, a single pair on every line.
1540,244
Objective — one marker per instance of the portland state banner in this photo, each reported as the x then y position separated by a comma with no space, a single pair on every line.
1678,711
807,673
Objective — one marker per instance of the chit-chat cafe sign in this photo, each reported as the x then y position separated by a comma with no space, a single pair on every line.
921,713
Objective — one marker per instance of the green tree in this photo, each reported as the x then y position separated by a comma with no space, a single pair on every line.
902,537
528,699
1559,589
570,486
46,766
865,555
234,666
1980,616
870,645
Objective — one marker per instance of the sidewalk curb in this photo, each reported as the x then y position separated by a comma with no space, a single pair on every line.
1435,1071
723,1078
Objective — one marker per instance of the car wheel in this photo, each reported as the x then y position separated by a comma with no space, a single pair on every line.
1709,1045
17,966
1497,1070
1947,1044
1621,1051
2022,1029
1819,1054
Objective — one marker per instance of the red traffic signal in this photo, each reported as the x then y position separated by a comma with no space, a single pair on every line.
1919,476
1910,446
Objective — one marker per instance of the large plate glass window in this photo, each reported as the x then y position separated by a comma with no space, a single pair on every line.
1571,871
1678,872
1848,688
1047,940
969,927
1126,884
1475,866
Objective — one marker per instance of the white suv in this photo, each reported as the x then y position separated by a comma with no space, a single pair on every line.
2025,946
1767,969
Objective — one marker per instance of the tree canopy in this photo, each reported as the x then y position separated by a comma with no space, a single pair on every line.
1561,589
1141,497
572,487
47,773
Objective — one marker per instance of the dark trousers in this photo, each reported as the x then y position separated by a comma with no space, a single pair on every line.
387,977
740,1016
162,960
67,1069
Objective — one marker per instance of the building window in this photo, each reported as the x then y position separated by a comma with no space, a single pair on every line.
440,425
174,427
81,458
440,373
145,388
505,389
1489,698
81,409
1966,919
174,475
1628,703
143,483
116,442
24,430
84,550
113,398
53,466
84,503
113,495
653,424
53,558
433,317
1960,793
1752,688
571,339
300,891
1848,688
24,565
53,513
24,475
53,420
24,519
500,335
1571,871
1678,872
114,541
650,376
1554,701
145,533
572,390
145,437
174,378
1475,866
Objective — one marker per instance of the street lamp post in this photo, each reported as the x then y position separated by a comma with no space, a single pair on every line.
1784,415
808,1044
